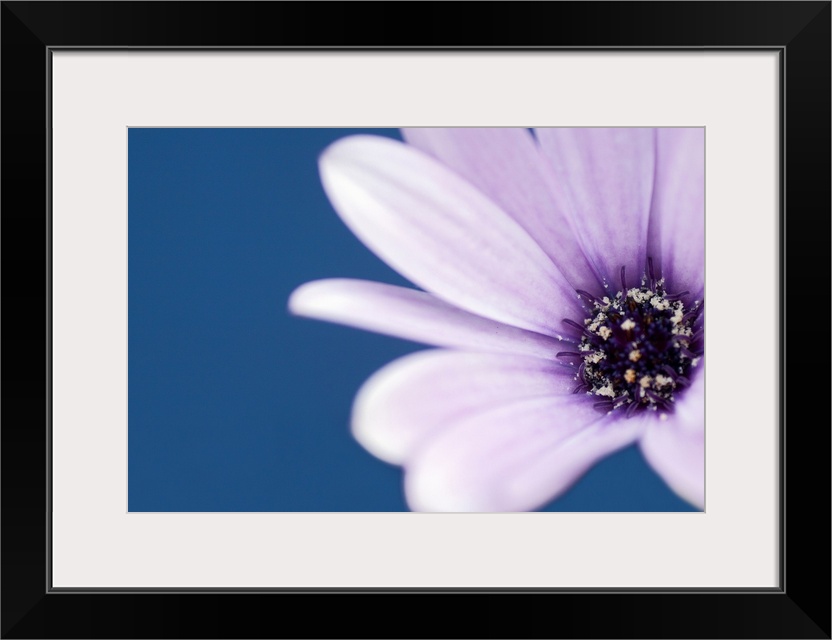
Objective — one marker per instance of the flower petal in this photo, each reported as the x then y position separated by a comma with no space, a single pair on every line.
414,315
677,219
440,232
675,448
407,401
506,165
604,181
515,458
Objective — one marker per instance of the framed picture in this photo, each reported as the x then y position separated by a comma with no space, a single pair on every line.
293,453
193,187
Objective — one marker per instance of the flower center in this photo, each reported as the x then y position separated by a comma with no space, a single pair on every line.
638,347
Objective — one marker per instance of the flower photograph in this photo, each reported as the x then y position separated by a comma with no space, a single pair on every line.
513,320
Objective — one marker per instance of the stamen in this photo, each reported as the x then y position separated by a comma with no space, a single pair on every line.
575,325
636,348
589,297
631,410
655,398
603,407
687,352
690,315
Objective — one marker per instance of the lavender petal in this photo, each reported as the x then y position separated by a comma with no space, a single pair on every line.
443,234
604,181
507,166
516,458
675,447
677,220
414,315
409,401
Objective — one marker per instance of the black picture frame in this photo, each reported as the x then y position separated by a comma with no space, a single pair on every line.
799,608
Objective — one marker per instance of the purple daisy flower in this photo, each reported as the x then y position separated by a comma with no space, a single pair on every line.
563,277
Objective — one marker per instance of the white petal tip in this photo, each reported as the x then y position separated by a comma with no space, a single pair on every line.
373,424
317,299
435,492
365,432
350,148
299,299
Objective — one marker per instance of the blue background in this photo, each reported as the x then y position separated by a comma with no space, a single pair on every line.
234,405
